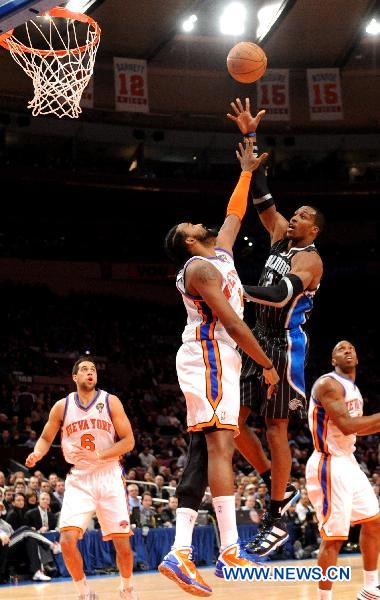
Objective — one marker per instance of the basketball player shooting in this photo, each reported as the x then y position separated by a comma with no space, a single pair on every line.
89,420
283,301
337,487
208,369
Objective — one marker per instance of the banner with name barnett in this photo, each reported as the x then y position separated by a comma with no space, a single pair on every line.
325,97
273,94
131,85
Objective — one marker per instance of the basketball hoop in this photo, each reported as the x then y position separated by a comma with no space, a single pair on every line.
59,73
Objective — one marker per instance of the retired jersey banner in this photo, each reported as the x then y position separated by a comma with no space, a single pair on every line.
131,85
325,97
273,94
87,100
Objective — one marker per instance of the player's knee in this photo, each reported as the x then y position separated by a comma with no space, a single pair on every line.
277,430
372,528
330,547
68,540
220,445
122,547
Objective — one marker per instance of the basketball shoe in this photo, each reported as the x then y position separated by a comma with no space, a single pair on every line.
178,566
272,534
233,556
369,593
291,497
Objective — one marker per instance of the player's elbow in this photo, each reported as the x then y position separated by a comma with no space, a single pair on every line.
346,426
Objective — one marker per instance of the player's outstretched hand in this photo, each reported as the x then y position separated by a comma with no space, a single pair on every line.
248,159
271,379
32,459
243,118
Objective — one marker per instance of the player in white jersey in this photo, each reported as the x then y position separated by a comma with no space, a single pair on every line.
208,369
337,487
90,421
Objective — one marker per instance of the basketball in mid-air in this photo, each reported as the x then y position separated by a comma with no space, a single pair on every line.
246,62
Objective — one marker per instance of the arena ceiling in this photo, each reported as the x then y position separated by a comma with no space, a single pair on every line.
188,82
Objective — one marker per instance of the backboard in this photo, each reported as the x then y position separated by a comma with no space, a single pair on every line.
15,12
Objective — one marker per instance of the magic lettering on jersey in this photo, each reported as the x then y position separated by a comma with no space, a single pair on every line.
85,424
278,264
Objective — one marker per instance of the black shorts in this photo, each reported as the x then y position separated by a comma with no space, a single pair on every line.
287,350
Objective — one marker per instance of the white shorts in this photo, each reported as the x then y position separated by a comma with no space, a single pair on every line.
340,493
208,373
101,492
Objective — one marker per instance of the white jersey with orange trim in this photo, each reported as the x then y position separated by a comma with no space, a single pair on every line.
202,323
88,427
327,437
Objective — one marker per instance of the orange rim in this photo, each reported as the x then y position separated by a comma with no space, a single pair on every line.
62,13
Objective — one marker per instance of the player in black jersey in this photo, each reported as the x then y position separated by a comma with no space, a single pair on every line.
283,301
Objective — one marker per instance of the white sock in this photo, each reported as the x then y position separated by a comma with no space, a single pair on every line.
226,515
184,526
126,582
81,586
324,594
371,579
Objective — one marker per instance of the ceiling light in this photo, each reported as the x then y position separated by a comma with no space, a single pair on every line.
232,21
266,16
189,24
373,27
79,6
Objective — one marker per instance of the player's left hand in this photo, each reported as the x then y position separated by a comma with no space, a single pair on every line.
249,161
271,378
243,117
80,454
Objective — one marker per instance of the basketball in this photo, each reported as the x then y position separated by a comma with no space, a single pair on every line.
246,62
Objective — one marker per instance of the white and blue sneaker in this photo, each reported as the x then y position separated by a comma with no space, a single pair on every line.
292,496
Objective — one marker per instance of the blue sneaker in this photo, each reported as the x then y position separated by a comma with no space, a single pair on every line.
180,568
233,556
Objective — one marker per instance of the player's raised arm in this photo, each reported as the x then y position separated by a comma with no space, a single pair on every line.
48,434
272,220
330,394
204,280
237,205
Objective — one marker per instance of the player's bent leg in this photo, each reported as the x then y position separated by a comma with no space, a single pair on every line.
249,444
124,559
74,561
273,532
277,436
370,548
328,557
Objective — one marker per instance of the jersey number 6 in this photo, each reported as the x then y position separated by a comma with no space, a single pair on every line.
87,442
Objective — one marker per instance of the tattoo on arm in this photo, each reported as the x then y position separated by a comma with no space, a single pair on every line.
205,273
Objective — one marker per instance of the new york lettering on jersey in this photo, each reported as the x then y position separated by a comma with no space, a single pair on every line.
327,438
297,311
88,427
202,323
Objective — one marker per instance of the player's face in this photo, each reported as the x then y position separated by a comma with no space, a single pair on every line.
344,356
86,378
199,231
302,224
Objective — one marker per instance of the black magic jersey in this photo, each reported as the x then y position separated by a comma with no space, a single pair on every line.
298,309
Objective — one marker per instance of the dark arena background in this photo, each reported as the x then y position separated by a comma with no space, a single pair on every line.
85,207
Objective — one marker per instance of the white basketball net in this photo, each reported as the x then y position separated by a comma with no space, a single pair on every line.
59,76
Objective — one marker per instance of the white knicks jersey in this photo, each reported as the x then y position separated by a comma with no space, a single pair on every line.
88,427
327,437
202,323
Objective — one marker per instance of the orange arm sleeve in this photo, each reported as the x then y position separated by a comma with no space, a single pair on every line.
239,199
